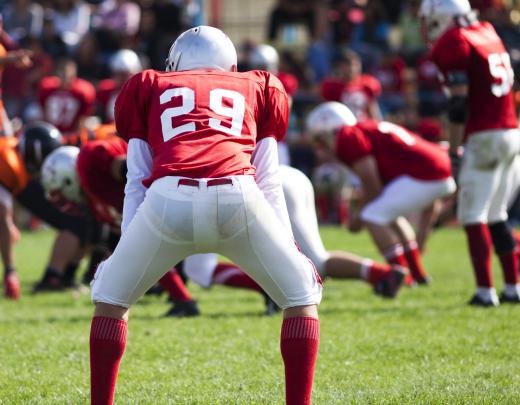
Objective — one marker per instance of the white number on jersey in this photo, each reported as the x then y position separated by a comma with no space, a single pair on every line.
500,68
60,110
216,103
392,129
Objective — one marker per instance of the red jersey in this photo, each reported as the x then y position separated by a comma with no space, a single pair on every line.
201,123
427,74
104,193
396,150
356,94
391,75
64,107
106,95
478,52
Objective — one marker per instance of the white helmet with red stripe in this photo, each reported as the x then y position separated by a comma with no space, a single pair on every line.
202,47
59,176
329,117
439,15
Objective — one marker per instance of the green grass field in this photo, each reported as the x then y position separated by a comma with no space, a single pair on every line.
426,347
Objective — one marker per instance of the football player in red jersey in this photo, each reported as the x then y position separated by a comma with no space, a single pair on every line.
92,179
191,133
477,72
65,99
399,173
356,90
123,64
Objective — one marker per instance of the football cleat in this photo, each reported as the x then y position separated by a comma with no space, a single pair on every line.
509,299
12,286
49,283
184,309
389,286
424,281
478,301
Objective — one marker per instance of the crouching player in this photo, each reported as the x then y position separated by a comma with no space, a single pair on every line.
399,172
191,133
93,178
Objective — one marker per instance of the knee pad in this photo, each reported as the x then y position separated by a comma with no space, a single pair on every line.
502,237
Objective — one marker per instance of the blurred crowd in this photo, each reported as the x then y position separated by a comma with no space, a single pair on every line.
368,54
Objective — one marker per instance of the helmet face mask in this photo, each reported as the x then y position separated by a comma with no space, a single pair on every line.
59,177
202,47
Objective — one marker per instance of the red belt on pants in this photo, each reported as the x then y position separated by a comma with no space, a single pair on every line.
209,183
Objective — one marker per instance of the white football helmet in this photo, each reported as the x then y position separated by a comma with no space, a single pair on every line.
59,176
202,47
264,57
439,15
328,117
125,61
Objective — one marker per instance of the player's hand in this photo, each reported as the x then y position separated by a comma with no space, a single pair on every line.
355,223
21,58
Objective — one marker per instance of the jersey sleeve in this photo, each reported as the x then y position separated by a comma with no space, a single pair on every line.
451,54
87,93
372,86
131,109
45,87
352,145
274,116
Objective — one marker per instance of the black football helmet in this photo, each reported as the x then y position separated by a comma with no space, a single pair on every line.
38,140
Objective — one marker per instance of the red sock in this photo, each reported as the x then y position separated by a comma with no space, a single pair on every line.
479,242
107,345
232,276
375,271
299,346
395,255
509,262
413,258
173,283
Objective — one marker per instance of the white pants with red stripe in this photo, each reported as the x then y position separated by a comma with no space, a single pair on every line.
176,221
403,196
486,179
299,196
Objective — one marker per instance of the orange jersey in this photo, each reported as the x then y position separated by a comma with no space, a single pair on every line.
85,135
13,175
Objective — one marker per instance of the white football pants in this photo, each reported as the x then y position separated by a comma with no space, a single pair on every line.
486,179
176,221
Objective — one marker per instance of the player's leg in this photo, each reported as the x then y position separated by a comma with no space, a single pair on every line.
299,196
145,252
478,181
256,240
11,282
501,234
183,303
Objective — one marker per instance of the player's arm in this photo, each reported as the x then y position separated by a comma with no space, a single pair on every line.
20,58
457,113
268,179
366,169
139,167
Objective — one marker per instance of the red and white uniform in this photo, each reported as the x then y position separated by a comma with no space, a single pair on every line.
197,139
356,95
106,95
105,194
64,107
492,136
414,171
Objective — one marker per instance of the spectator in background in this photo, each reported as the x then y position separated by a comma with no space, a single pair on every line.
411,43
351,87
116,23
432,99
311,13
23,18
71,20
391,74
52,42
20,83
65,99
